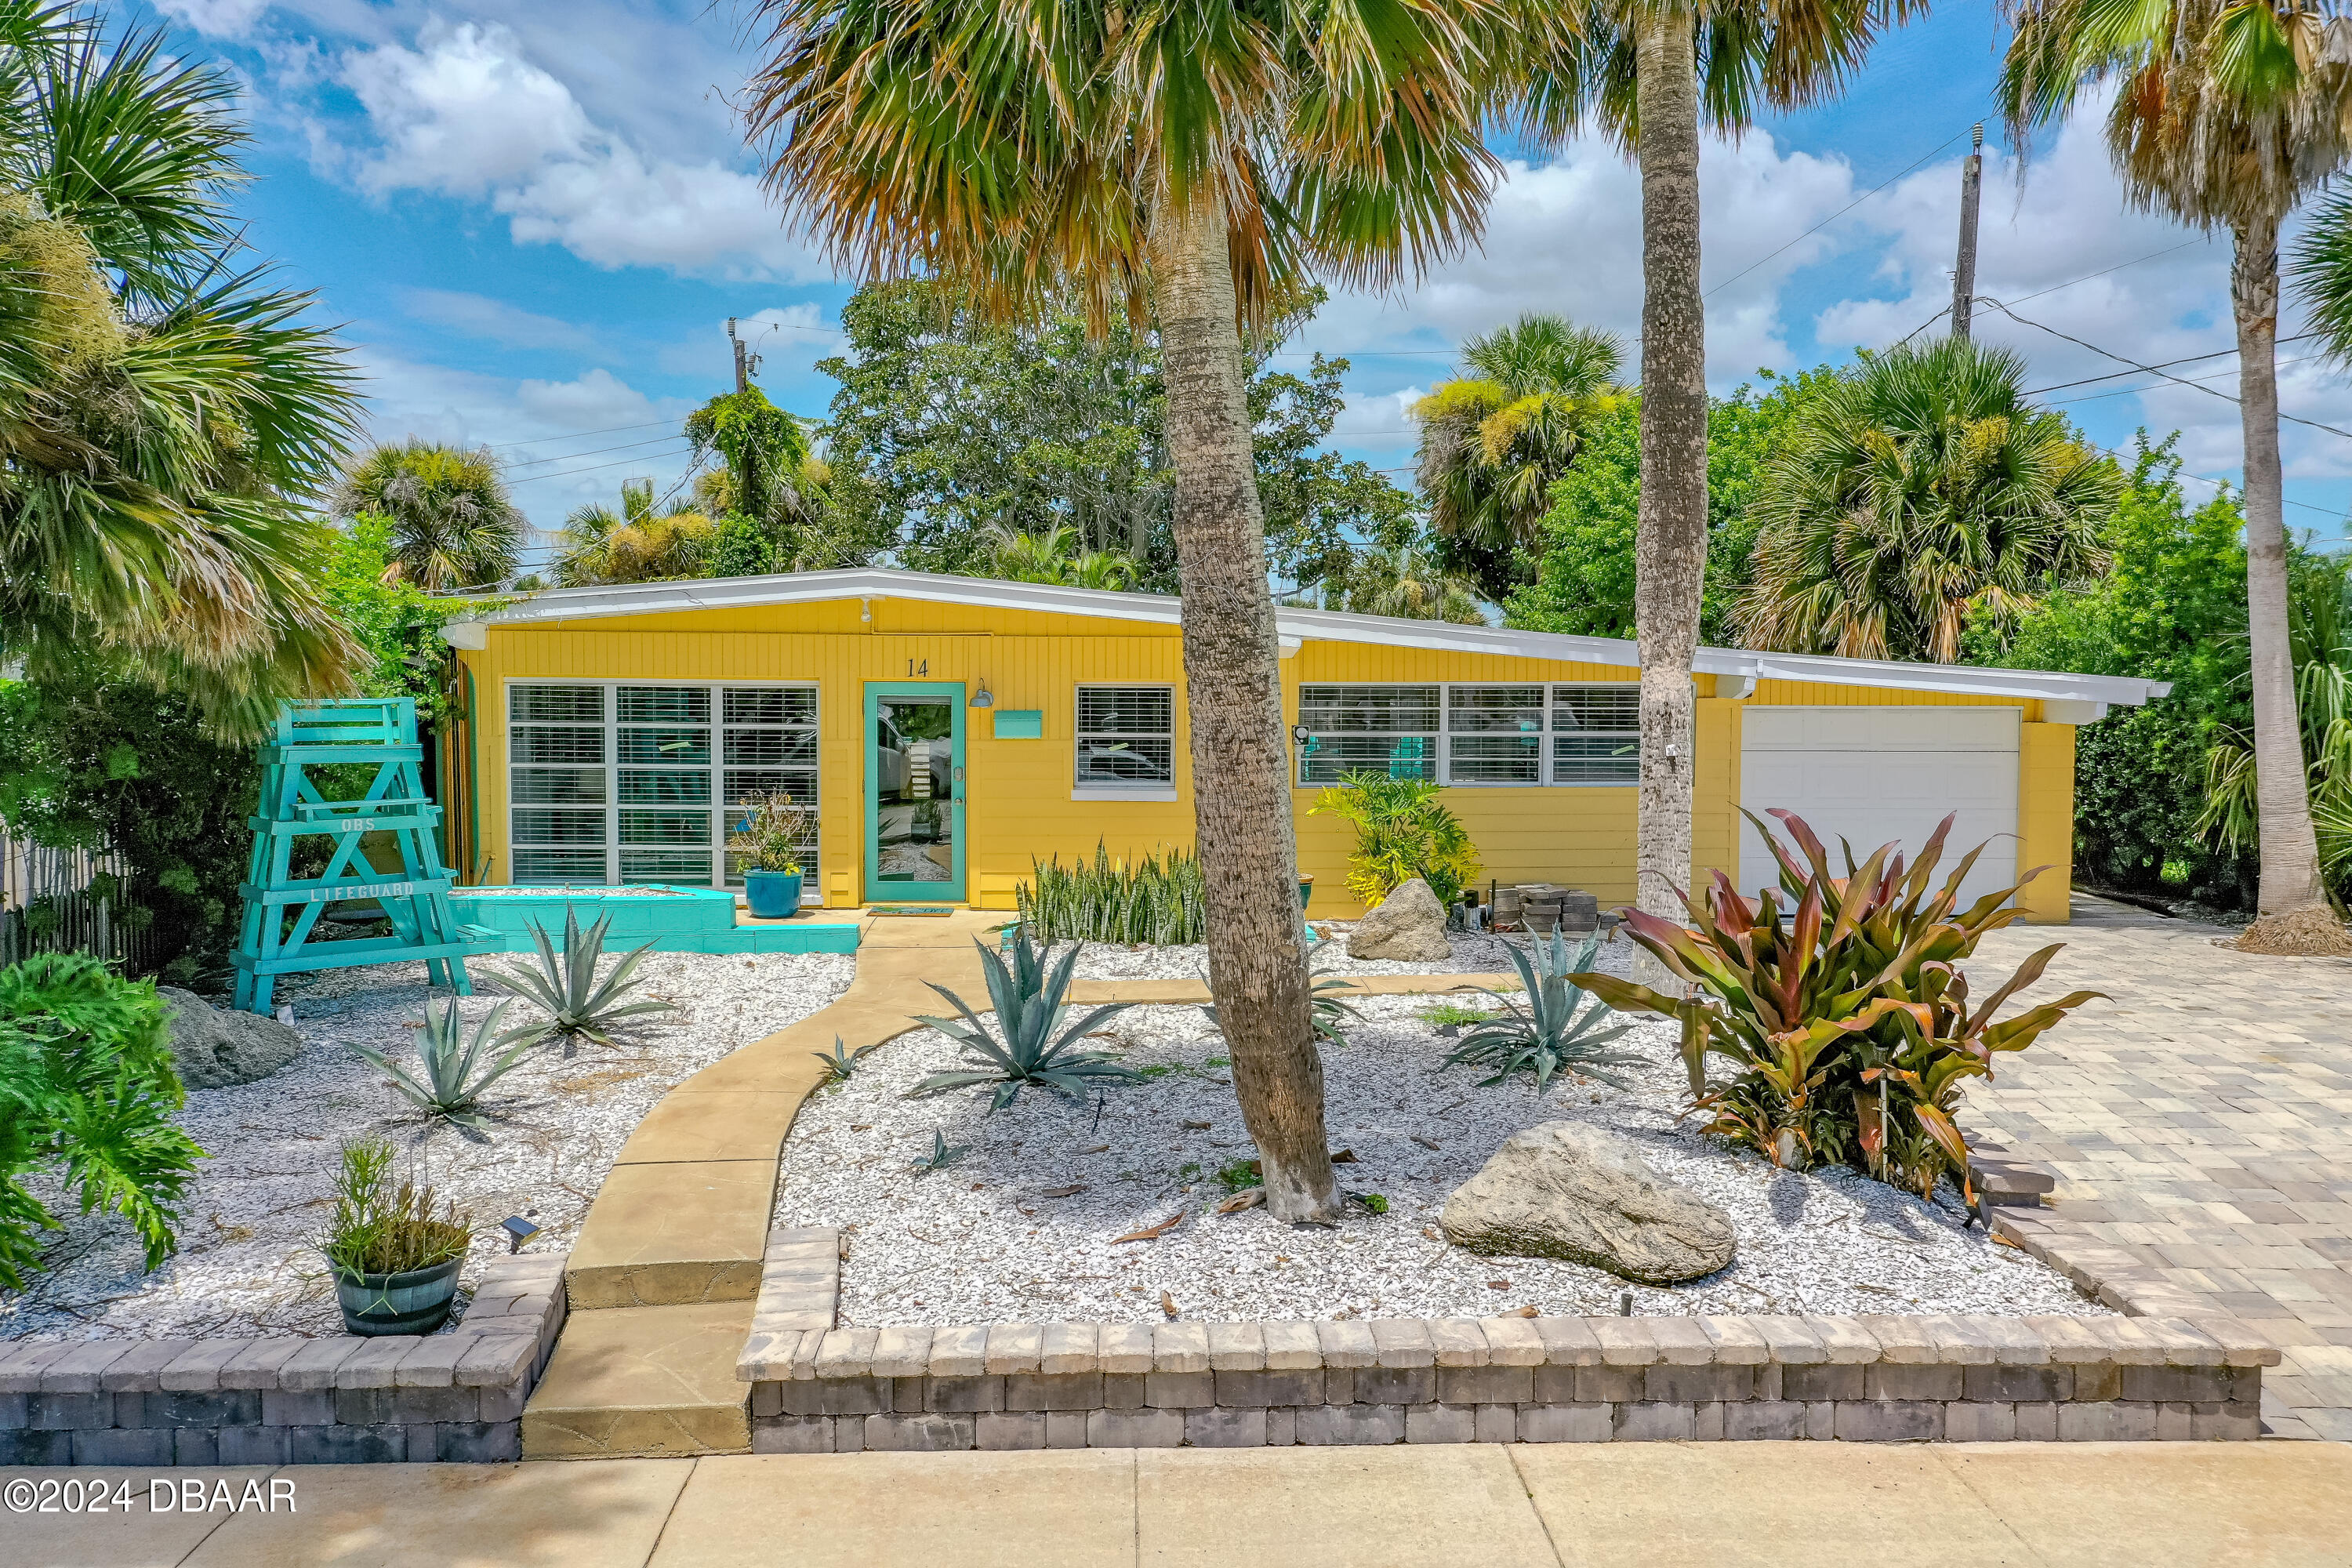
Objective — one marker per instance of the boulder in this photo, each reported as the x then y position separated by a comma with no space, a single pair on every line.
1565,1190
1409,924
214,1046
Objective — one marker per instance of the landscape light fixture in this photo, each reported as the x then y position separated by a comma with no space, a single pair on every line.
518,1230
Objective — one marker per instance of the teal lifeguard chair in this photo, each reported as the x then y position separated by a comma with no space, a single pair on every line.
282,911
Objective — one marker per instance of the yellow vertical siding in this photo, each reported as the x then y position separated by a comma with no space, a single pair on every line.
1018,792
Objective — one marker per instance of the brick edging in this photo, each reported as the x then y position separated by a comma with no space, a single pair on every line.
454,1396
816,1388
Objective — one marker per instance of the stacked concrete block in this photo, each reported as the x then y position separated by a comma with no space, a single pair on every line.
1499,1380
455,1395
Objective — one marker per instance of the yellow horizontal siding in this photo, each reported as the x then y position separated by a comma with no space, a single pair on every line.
1018,804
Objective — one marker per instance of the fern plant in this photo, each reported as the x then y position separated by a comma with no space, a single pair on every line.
1038,1045
1557,1032
459,1064
87,1093
578,1005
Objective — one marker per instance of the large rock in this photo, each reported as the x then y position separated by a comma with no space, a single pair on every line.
214,1046
1565,1190
1408,924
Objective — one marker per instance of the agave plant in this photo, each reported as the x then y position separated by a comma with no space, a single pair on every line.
1038,1046
460,1064
1557,1032
578,1004
1841,1004
841,1061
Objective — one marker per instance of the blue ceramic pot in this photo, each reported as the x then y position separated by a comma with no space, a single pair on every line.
772,895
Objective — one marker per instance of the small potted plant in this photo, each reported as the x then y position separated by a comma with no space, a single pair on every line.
768,839
924,826
394,1259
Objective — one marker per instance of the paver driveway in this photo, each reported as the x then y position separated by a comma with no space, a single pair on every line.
2201,1123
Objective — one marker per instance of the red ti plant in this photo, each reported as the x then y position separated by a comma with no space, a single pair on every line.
1840,1004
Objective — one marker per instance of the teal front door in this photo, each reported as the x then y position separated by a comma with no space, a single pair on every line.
914,792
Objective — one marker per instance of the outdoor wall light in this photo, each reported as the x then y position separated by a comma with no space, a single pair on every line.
518,1230
984,698
1298,733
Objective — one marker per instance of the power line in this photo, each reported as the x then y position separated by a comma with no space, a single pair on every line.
596,451
1832,218
2129,391
575,435
2120,358
592,467
2192,359
2118,266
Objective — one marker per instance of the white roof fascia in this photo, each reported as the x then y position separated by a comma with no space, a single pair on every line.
1293,627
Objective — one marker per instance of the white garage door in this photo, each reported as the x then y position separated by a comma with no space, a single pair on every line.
1879,775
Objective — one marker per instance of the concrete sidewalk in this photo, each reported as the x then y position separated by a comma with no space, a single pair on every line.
1657,1505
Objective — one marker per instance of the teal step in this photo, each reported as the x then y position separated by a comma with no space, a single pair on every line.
425,819
304,754
474,941
320,809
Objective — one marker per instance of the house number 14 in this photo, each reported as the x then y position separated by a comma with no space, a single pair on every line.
918,666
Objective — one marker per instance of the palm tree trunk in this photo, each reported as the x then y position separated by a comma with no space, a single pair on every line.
1670,537
1240,783
2289,850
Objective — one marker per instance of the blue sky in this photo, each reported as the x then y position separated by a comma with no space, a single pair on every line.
535,219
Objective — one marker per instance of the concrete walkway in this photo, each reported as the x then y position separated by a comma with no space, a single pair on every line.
2201,1127
1642,1505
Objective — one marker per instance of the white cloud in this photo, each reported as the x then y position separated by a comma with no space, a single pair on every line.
215,19
562,443
1379,420
465,114
1565,236
495,321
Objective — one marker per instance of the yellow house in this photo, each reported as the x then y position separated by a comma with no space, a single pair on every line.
951,729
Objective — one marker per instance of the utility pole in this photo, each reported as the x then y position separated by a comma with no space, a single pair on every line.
743,370
1964,275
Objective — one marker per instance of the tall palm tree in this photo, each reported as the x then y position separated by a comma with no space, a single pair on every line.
1408,581
1493,440
1185,162
164,416
1919,494
636,544
453,524
1651,73
2225,114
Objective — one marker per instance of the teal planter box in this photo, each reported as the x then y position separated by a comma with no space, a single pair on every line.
673,919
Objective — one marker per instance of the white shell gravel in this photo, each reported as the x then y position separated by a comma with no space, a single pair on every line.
987,1239
1475,953
248,1264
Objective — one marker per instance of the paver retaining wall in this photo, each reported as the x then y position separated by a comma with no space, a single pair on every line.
818,1389
456,1395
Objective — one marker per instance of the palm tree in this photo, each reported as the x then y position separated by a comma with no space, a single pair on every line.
2224,115
1185,164
1917,494
636,544
164,416
1650,72
1408,581
1492,441
1054,556
453,525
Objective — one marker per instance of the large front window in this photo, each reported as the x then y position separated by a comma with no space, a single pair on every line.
1126,737
1471,734
613,783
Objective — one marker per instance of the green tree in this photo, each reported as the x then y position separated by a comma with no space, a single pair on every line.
1186,164
1916,493
1651,73
1056,556
2172,607
1407,581
1584,549
1496,439
163,413
2222,115
454,527
634,544
952,427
